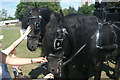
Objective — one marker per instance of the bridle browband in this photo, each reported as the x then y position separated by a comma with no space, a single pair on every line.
35,17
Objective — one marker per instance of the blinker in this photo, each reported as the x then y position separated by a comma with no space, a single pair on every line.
58,44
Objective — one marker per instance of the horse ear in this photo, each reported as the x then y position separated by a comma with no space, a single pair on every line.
61,13
35,5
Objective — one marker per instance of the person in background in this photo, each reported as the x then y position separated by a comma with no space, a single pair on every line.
16,69
5,58
22,31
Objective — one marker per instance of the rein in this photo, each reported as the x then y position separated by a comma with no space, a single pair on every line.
116,26
74,55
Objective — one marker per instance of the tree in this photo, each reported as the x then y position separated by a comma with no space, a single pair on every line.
22,7
85,9
10,18
3,14
69,11
65,11
55,6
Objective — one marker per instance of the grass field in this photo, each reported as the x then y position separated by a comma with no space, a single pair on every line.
10,35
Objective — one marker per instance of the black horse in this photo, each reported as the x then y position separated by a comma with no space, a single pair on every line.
75,43
37,18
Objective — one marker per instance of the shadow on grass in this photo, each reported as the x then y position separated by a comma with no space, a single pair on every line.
34,73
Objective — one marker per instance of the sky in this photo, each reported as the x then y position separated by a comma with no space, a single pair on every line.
10,5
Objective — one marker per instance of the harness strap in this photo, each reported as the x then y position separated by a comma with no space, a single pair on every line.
74,55
98,36
116,26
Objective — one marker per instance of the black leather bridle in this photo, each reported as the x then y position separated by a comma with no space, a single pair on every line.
37,26
58,46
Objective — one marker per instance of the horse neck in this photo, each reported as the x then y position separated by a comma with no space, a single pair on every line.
81,33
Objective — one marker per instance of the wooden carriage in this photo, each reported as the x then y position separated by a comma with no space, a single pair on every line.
106,13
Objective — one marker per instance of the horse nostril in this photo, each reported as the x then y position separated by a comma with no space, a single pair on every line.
32,47
52,69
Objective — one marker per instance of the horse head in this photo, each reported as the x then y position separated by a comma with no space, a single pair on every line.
37,19
56,42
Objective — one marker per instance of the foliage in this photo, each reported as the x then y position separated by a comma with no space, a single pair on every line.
3,14
85,9
10,18
65,11
55,6
22,7
69,11
113,4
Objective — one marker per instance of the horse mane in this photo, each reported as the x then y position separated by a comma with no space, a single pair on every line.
79,25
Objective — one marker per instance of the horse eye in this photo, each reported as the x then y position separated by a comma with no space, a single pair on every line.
58,59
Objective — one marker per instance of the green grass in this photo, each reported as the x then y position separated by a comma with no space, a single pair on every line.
10,35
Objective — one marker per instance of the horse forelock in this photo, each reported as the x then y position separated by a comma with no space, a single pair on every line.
45,13
38,18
